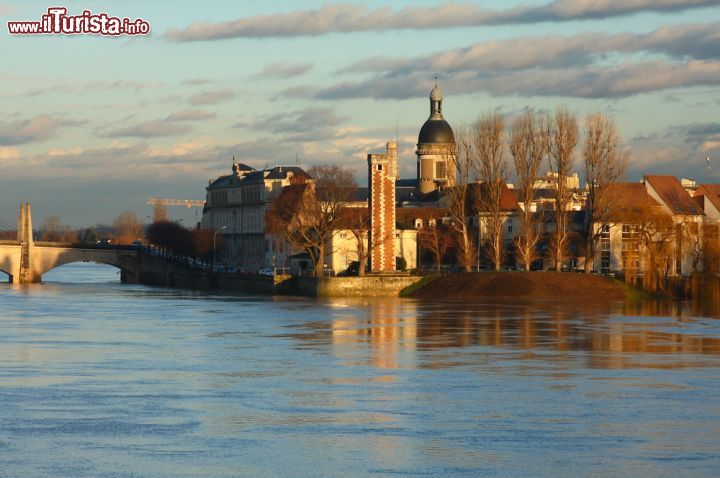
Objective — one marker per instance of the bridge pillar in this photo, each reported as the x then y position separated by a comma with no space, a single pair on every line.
25,237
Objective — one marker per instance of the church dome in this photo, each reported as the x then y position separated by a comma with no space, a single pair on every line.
436,131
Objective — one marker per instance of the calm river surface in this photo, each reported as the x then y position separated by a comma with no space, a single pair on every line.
99,379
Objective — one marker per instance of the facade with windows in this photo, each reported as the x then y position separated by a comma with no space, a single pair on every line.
235,208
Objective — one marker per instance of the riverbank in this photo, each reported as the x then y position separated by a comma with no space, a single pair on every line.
488,285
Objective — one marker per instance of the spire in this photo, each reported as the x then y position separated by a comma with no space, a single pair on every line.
234,166
436,101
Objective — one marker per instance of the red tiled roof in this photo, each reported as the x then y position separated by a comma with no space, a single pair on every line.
508,202
629,197
673,195
709,191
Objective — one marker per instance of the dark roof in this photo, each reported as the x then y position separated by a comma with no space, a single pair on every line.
436,131
251,176
360,194
244,167
278,172
281,172
222,182
406,183
673,195
350,194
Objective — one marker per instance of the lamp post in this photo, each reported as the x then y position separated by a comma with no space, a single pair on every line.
214,238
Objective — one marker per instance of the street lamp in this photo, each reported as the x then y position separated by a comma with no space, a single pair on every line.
214,238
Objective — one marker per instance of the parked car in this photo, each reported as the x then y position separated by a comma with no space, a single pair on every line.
267,271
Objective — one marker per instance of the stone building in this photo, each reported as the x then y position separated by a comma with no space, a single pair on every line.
236,205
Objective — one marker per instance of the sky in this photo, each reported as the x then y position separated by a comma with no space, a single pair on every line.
92,126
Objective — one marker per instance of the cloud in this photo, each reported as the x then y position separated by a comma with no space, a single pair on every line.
81,88
197,81
311,124
211,97
687,41
703,130
150,129
679,149
191,115
346,17
38,128
285,70
302,91
8,154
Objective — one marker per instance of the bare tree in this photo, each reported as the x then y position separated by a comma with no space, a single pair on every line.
127,227
489,146
563,137
604,164
51,229
647,240
437,239
464,163
309,215
528,141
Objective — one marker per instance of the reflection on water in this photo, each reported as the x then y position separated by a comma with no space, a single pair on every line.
103,379
610,334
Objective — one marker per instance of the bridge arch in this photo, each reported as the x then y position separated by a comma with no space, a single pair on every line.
10,255
49,258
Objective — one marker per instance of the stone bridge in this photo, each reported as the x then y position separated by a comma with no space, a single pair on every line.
25,260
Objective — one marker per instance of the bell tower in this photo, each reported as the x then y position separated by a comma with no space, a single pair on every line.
435,148
382,174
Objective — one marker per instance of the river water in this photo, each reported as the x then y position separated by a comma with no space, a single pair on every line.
100,379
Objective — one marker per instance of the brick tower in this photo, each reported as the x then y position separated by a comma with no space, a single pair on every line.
382,173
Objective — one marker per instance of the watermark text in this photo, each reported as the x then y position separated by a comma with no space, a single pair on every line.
57,22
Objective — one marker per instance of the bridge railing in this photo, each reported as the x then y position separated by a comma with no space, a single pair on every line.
79,245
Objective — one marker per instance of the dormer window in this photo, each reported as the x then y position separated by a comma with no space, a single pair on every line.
418,223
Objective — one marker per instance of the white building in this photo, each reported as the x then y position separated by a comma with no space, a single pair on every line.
236,205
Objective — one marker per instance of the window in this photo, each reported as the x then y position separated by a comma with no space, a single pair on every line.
440,170
432,222
605,249
418,223
379,167
630,249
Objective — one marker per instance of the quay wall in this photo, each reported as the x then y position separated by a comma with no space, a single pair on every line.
158,272
368,286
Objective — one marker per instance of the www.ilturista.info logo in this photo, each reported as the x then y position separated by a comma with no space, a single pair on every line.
58,22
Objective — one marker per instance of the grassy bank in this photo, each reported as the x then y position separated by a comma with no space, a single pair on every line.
483,285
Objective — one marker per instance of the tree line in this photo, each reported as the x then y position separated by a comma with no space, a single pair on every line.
308,215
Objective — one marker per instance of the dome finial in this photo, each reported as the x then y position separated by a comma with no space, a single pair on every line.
436,100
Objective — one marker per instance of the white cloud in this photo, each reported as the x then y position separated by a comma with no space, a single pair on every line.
38,128
211,97
346,17
285,70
